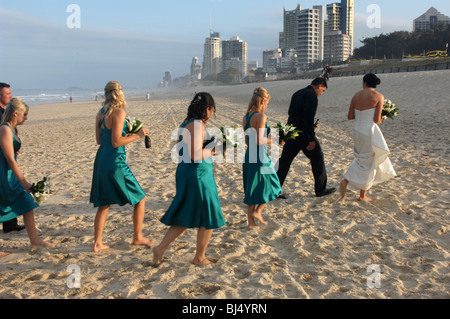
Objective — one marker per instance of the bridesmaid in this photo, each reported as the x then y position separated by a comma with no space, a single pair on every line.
15,197
113,182
261,183
196,203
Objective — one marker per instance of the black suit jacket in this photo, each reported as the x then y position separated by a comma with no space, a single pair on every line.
302,112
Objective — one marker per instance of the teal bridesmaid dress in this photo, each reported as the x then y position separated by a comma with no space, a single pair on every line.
261,183
112,181
196,203
14,199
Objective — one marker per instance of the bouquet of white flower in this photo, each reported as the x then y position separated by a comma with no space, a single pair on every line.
287,132
390,110
134,126
41,190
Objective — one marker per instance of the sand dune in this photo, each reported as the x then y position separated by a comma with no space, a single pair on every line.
312,248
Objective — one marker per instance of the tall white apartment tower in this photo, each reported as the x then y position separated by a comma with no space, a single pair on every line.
310,32
304,32
348,20
212,57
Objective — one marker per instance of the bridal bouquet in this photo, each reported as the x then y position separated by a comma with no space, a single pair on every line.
134,126
390,110
287,132
41,190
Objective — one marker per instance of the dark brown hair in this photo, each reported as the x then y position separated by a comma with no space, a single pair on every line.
200,103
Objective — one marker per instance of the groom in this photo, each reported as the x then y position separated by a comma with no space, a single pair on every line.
302,112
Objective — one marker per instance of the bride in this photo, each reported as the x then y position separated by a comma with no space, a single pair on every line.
372,164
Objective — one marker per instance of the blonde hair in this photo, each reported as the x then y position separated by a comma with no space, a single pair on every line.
259,95
114,97
14,105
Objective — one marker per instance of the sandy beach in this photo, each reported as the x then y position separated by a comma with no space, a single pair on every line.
312,248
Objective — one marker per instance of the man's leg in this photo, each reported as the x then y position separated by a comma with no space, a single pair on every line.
318,167
290,151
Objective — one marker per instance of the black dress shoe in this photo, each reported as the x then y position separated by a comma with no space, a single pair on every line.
8,229
327,192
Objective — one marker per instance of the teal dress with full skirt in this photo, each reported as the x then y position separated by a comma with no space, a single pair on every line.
196,203
261,183
15,201
112,180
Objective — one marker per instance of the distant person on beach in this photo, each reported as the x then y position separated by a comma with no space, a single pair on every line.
148,96
112,181
15,197
302,112
326,72
5,97
372,164
196,203
261,183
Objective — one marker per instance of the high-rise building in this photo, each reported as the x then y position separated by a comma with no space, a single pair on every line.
430,20
334,17
212,58
304,31
338,42
348,19
288,38
234,55
336,46
310,35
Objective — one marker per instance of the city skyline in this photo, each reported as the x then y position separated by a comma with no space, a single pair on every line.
138,42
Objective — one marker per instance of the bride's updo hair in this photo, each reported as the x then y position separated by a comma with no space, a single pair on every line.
371,80
114,97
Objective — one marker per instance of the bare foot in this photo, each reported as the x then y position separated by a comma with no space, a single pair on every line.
201,262
251,222
41,244
253,227
258,216
366,199
3,254
143,242
157,257
100,247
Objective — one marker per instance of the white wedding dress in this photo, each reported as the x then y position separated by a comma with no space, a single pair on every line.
372,164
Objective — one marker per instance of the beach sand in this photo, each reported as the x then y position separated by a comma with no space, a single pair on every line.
311,248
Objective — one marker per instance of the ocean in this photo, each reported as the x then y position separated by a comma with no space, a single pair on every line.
50,96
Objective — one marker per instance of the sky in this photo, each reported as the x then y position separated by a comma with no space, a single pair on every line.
135,41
